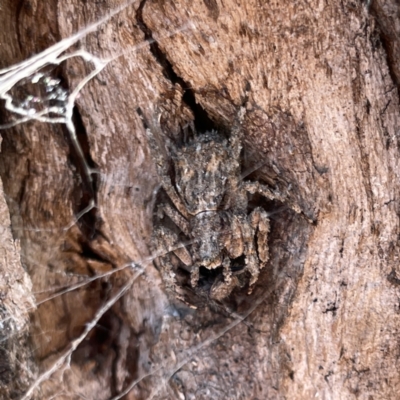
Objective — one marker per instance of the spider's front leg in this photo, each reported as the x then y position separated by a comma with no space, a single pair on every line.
175,216
239,200
208,253
260,222
163,173
241,241
223,288
257,187
167,242
252,260
236,137
195,273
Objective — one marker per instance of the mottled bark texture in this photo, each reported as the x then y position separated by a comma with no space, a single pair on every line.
320,83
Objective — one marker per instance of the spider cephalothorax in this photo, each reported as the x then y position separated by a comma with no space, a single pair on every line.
210,207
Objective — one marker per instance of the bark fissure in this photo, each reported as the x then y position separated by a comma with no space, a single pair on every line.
86,189
387,14
202,121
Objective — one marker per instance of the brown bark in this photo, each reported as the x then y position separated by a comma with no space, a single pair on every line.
320,81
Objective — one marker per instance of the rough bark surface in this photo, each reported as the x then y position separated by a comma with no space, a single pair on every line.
320,83
17,369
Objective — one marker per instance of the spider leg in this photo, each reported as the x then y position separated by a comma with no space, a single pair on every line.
257,187
241,241
195,274
175,216
236,137
167,242
259,221
222,289
210,263
227,271
162,172
234,243
239,201
252,261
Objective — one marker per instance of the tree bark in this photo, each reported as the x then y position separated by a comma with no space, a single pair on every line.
320,84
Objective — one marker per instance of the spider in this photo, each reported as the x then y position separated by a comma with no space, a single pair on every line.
209,204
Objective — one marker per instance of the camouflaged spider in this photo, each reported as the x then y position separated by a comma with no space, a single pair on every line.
210,207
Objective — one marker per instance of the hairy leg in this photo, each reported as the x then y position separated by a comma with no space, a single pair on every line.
236,137
167,242
175,216
237,197
260,222
162,171
252,262
222,288
257,187
234,243
215,263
